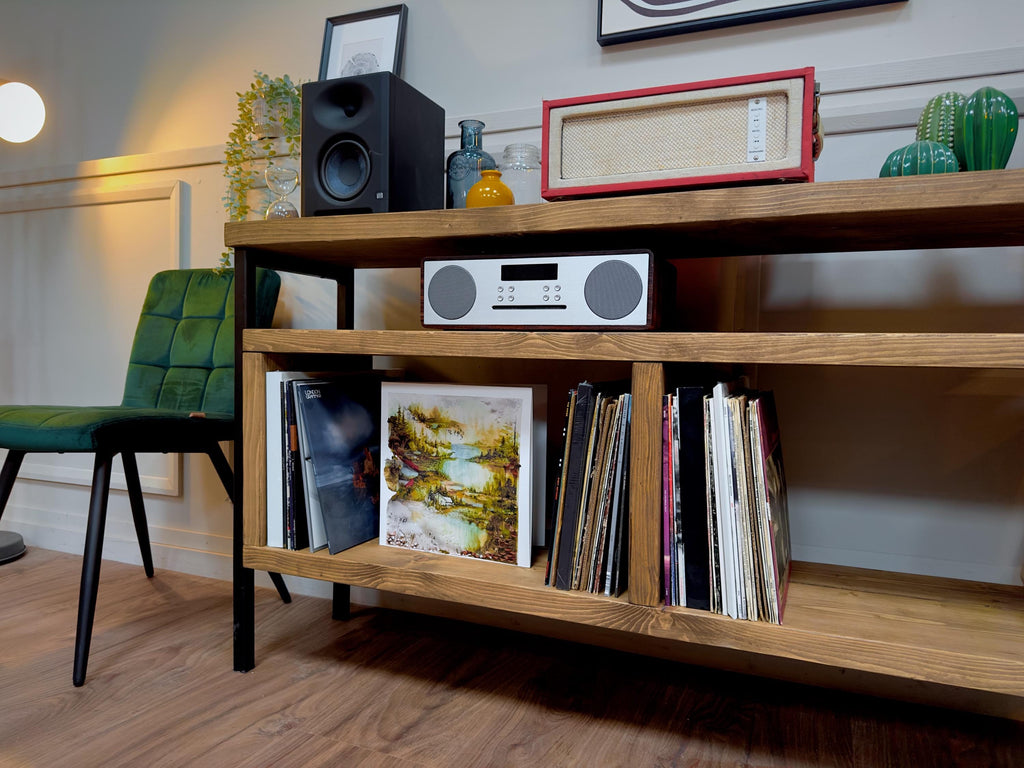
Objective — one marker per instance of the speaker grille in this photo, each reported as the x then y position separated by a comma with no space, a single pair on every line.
452,292
665,138
345,169
613,289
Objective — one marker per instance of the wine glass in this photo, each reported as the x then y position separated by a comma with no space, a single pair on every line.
281,181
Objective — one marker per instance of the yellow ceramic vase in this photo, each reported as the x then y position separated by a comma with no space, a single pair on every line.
490,190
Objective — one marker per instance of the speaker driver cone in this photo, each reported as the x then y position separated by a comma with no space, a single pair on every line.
345,169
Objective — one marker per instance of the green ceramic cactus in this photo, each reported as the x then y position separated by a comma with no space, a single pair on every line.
920,158
938,119
986,130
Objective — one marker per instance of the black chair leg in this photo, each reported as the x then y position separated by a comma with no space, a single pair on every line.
131,476
220,463
227,479
282,589
91,563
7,476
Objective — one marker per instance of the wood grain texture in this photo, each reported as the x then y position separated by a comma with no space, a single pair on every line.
934,631
931,640
946,210
254,449
645,578
400,690
942,350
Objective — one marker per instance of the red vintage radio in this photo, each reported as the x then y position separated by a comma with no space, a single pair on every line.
756,128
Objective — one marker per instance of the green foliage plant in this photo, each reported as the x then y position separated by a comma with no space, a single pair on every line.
269,102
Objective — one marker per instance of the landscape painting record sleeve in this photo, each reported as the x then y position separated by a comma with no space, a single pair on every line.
457,469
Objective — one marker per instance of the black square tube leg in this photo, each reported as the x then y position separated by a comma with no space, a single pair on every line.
243,579
341,602
8,475
131,476
91,563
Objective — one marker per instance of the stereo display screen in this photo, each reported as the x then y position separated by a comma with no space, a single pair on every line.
519,272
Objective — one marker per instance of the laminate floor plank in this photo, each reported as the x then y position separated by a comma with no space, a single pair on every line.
397,690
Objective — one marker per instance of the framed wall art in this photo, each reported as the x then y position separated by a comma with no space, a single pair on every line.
623,21
364,42
457,470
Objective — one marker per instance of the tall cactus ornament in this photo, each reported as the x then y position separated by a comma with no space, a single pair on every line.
986,130
938,120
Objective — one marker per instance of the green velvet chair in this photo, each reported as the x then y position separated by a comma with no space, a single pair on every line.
178,398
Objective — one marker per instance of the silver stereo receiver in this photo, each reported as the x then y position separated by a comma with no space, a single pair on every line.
559,290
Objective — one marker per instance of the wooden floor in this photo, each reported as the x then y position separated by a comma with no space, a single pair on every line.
402,690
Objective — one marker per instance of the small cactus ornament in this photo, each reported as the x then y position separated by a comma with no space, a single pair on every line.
919,158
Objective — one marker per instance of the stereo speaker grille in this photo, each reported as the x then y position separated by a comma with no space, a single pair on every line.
452,292
613,289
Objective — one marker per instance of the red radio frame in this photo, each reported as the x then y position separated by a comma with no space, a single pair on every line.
801,171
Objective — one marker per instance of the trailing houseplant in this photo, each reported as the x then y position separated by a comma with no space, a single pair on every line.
268,126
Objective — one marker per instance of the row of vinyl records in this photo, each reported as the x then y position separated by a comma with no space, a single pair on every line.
323,438
725,518
725,513
726,527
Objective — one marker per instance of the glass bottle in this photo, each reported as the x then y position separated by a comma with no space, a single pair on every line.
464,164
520,170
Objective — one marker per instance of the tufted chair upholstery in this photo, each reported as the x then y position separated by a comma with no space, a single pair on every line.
178,398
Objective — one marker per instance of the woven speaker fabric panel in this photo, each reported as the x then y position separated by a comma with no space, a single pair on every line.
680,136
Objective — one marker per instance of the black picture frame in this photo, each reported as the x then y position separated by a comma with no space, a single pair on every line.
675,11
369,37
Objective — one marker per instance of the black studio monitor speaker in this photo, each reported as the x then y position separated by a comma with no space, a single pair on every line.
370,143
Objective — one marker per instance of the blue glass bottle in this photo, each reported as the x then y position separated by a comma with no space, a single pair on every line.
464,164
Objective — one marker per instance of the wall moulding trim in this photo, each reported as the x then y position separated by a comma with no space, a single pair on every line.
865,98
116,166
167,481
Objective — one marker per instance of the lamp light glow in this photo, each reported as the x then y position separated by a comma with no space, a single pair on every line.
22,112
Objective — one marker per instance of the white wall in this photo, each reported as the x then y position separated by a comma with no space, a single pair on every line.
141,94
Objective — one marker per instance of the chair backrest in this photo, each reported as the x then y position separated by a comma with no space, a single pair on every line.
183,356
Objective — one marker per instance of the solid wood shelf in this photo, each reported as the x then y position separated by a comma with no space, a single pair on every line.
941,631
918,638
964,350
980,208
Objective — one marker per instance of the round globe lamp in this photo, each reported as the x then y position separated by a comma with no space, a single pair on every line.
22,113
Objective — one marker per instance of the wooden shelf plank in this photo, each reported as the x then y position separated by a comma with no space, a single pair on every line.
936,631
952,350
945,210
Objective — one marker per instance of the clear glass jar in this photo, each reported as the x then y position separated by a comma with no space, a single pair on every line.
520,170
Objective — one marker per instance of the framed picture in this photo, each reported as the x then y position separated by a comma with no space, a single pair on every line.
623,21
457,470
364,42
